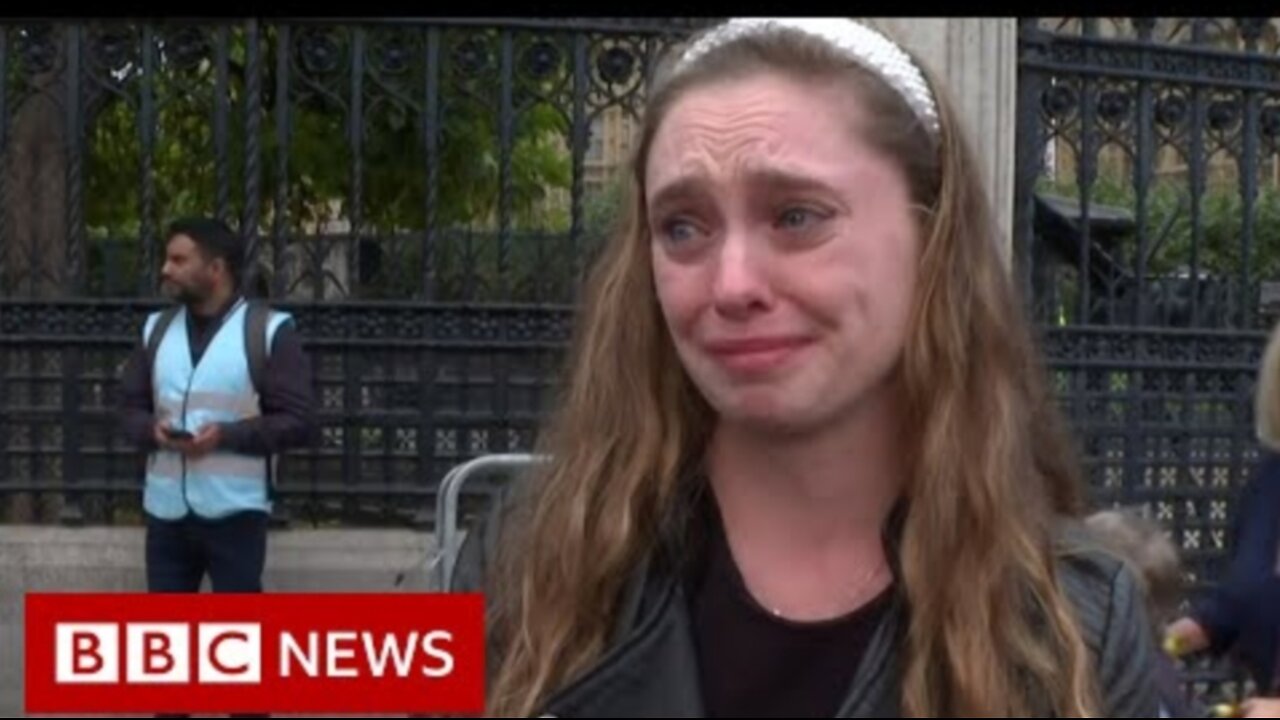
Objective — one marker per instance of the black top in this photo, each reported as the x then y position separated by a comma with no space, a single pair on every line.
754,664
287,403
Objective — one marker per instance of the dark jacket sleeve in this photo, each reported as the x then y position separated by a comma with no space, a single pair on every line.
288,418
137,411
1256,537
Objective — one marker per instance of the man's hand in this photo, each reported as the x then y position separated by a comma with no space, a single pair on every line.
1261,708
1185,637
207,439
161,434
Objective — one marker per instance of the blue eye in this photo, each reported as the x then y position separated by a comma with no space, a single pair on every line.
678,231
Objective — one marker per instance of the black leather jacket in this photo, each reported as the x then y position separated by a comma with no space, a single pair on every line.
650,669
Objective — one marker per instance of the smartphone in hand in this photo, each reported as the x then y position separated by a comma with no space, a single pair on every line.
175,434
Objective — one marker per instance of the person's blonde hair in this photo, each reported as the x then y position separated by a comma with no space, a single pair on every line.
990,630
1267,397
1150,553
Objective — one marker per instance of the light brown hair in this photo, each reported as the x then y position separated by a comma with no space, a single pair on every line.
1150,553
991,632
1267,396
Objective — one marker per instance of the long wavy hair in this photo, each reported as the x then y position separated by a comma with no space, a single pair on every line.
990,631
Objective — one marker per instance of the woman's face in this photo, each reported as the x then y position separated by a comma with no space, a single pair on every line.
784,249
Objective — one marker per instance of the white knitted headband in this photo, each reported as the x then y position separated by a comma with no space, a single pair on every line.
867,47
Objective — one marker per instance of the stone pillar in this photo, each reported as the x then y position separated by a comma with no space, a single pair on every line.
977,59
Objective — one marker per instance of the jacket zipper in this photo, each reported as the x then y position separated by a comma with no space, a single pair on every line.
186,396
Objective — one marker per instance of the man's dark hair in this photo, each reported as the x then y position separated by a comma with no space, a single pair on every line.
215,239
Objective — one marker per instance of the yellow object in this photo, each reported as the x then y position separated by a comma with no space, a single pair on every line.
1173,646
1226,710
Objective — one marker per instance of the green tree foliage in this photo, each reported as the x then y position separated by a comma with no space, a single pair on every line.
1169,220
321,151
1170,225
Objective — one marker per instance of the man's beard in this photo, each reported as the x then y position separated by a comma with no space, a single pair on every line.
186,294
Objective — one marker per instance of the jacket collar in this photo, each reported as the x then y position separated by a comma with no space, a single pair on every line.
651,668
653,672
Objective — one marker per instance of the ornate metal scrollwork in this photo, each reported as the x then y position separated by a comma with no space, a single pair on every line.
543,59
185,48
473,57
321,51
616,65
38,48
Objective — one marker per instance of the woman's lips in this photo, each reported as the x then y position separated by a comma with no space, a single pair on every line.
755,355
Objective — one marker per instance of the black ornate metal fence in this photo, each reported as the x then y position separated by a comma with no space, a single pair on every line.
423,195
1147,224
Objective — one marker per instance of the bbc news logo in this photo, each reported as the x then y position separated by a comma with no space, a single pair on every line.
158,653
232,653
358,653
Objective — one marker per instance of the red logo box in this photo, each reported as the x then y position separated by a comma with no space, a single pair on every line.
274,653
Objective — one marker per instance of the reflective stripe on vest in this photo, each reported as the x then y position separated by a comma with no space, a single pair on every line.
218,390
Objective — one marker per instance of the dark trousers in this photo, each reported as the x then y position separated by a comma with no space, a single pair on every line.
232,551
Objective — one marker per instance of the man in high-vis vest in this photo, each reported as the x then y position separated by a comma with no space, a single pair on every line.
216,389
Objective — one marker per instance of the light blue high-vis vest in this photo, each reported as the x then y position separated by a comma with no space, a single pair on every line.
217,390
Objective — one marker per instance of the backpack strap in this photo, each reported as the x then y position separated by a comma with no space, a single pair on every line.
257,315
157,335
255,341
